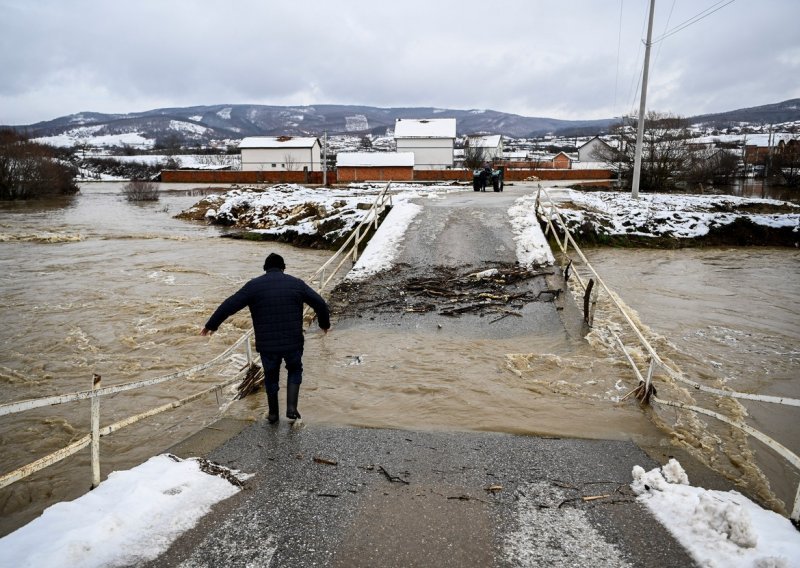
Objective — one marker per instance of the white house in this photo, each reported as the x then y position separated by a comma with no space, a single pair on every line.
492,146
588,152
430,139
281,153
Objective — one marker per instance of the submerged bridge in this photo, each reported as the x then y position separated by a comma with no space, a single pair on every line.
333,496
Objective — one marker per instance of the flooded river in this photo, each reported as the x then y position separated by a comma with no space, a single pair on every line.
93,284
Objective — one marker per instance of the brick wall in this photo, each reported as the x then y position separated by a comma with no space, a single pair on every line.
237,176
345,174
386,174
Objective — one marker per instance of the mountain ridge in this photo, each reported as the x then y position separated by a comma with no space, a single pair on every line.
234,121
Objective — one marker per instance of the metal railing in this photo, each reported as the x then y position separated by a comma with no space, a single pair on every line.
349,249
97,391
548,212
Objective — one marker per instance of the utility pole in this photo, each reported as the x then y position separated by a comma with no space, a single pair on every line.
637,163
325,158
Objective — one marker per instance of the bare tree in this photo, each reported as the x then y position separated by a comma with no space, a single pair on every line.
290,162
710,165
474,156
665,154
787,161
30,170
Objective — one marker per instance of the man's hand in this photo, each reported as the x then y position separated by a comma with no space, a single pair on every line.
325,330
206,331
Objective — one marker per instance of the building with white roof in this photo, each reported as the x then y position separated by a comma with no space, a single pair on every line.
492,146
281,153
430,139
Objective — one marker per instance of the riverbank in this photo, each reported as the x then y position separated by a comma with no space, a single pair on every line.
323,217
677,221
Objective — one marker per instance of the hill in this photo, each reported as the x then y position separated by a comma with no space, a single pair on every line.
200,124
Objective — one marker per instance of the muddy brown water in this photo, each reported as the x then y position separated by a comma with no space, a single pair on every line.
93,284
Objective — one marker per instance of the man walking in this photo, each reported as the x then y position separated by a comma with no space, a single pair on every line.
276,303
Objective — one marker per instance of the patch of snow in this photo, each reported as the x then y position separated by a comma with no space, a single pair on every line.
385,243
532,247
129,519
225,113
653,214
182,126
718,528
356,123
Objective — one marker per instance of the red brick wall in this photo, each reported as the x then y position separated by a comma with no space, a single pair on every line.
393,174
553,175
443,175
346,174
236,176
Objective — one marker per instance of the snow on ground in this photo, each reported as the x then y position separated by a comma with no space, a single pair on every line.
83,134
135,515
720,529
385,244
532,247
681,216
329,213
130,518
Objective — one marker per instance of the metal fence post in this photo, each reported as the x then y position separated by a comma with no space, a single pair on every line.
650,371
95,432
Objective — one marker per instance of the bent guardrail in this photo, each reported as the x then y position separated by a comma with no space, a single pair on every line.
549,214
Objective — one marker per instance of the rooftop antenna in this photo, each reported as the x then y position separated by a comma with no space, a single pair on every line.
637,162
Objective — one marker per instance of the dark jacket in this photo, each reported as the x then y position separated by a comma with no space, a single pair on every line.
276,303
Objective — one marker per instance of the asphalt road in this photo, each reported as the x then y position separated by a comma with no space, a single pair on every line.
349,497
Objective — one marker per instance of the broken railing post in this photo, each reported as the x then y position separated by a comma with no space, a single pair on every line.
588,316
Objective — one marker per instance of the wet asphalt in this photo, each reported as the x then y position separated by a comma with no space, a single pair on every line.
351,497
342,497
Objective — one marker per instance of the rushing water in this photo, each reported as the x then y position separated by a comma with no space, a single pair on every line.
93,284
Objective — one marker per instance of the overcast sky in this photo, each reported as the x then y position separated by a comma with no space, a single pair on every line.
580,59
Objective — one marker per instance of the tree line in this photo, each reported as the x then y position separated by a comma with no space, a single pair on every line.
29,169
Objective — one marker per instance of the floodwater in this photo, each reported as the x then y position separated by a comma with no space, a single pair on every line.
93,284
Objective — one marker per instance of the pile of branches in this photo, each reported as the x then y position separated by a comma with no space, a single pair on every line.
502,290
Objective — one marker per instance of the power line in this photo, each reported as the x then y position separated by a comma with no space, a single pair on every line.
637,76
669,17
694,19
619,50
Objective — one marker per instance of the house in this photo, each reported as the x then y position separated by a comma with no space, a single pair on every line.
561,161
374,166
431,140
593,150
490,146
281,153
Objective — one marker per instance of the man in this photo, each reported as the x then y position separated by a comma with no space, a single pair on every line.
276,303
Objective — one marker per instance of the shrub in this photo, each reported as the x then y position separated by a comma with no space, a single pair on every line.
140,190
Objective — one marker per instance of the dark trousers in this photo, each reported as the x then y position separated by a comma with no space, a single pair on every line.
272,367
